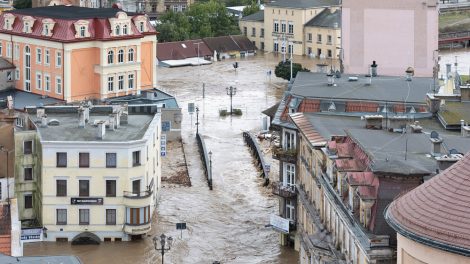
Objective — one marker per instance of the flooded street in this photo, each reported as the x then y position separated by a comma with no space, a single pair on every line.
449,56
227,224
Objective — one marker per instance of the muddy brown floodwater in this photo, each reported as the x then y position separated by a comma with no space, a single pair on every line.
228,223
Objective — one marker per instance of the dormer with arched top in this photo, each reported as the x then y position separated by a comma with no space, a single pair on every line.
47,27
28,23
81,29
120,25
141,23
8,20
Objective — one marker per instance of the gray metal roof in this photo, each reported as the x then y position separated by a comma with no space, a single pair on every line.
4,64
382,88
258,16
302,3
151,96
22,99
326,19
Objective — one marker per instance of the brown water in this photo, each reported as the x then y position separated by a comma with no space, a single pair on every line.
228,223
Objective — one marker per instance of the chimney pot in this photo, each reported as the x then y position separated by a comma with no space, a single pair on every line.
44,121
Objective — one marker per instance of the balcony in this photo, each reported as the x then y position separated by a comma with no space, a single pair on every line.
140,199
284,190
137,195
137,229
288,155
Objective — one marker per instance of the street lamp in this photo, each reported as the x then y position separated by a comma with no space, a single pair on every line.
5,150
163,241
210,170
231,91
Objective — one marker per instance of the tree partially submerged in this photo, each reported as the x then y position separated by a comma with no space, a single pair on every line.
283,69
251,9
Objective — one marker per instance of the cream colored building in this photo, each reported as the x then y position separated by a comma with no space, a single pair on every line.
252,26
285,24
323,35
100,172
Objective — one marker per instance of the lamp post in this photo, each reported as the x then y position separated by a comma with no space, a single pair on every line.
231,91
163,241
210,170
197,120
3,149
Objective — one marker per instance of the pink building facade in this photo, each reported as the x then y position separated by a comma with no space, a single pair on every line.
396,34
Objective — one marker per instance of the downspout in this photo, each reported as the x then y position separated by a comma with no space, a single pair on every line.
63,71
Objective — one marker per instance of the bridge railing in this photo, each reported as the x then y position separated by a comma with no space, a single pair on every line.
206,162
256,151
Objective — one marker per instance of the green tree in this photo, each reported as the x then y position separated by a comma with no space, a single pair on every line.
283,69
174,27
251,9
21,4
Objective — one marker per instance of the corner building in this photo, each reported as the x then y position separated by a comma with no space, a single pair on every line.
75,53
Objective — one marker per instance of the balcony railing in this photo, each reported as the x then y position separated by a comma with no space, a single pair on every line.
286,191
137,229
289,155
137,195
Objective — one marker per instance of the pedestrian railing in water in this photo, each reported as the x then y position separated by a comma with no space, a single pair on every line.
256,151
206,162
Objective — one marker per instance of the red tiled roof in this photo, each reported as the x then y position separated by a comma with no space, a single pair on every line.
437,210
309,106
349,165
344,150
182,50
361,107
306,128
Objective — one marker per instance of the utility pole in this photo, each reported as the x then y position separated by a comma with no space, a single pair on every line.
197,120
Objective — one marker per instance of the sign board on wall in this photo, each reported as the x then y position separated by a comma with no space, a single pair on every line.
31,234
280,223
166,125
86,201
163,145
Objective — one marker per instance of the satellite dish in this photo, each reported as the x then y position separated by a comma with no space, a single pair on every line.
434,134
453,151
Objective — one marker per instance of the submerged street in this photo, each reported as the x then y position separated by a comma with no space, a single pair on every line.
227,224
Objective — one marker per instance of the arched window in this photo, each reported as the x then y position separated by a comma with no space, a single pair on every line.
110,57
130,55
120,56
124,30
82,31
118,30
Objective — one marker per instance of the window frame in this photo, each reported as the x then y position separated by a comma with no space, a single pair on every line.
38,55
62,210
86,216
28,151
58,59
58,164
111,213
59,183
29,174
28,204
130,81
109,165
110,56
136,158
84,160
84,192
112,191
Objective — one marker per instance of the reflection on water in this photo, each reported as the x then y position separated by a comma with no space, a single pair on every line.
228,223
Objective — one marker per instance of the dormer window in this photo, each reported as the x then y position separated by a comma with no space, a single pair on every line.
124,30
118,30
141,23
47,26
8,21
119,25
28,23
141,27
81,29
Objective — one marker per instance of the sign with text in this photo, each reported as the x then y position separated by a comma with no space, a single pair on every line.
163,145
31,234
191,108
166,125
86,201
280,223
180,226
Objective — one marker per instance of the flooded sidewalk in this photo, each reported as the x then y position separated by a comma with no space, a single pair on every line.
227,224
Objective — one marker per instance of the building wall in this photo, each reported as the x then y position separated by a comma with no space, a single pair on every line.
7,79
148,69
397,35
313,45
97,174
411,252
170,115
85,83
257,38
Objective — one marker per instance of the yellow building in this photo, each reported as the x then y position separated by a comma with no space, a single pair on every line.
323,35
284,25
100,172
252,26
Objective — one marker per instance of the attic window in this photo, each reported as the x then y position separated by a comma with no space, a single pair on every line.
9,19
141,27
47,26
124,30
28,23
81,29
118,30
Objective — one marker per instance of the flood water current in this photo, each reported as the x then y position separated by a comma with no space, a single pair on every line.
227,224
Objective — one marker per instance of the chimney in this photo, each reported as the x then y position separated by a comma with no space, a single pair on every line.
331,79
369,76
397,123
86,114
40,112
124,114
374,69
81,117
409,74
446,161
373,121
101,129
44,120
436,144
111,122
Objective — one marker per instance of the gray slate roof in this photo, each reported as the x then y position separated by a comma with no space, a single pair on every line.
5,65
302,3
159,97
326,19
258,16
22,99
383,88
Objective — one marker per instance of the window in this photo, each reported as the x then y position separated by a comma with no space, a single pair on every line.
290,48
27,69
47,82
110,216
28,147
318,38
121,82
28,174
309,51
46,30
38,56
110,188
138,216
262,33
130,55
136,158
110,57
130,80
283,26
84,160
1,49
110,160
290,209
58,59
82,31
262,45
61,188
330,53
16,52
319,52
61,159
124,30
276,26
328,39
291,27
58,85
19,122
117,31
61,216
28,201
276,47
289,140
289,175
84,218
120,56
141,27
175,8
110,84
245,31
253,32
84,188
309,37
1,198
38,81
136,187
47,57
8,50
17,74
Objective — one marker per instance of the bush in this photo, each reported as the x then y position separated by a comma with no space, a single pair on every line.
237,112
223,112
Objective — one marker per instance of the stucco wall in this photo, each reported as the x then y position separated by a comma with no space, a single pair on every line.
85,83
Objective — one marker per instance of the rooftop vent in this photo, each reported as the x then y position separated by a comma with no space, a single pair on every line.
373,121
353,79
464,129
436,141
373,67
416,128
53,122
410,72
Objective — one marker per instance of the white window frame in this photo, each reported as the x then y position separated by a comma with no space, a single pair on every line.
58,59
110,84
130,81
290,209
38,55
58,84
1,49
120,82
38,80
9,50
289,139
130,55
47,82
17,74
288,178
16,52
47,57
120,56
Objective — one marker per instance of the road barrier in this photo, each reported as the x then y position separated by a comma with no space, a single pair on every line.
206,162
